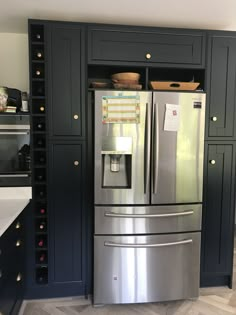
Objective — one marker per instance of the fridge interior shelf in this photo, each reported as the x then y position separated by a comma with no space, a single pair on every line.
173,85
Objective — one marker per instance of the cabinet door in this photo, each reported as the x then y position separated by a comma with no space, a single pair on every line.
218,214
12,267
222,87
145,45
66,221
66,81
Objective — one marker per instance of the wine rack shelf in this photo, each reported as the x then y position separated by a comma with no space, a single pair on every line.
39,152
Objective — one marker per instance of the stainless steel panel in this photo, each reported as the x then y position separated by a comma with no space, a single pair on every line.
152,219
138,270
177,166
127,191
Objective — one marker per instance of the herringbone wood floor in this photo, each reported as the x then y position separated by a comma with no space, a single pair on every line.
212,301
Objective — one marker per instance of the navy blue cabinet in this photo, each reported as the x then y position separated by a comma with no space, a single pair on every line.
117,44
66,80
218,214
221,86
12,258
67,236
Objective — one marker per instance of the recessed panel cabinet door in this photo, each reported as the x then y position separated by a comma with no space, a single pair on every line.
145,45
222,87
218,214
66,217
66,90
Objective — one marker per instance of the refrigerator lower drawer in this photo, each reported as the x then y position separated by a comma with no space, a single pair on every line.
139,269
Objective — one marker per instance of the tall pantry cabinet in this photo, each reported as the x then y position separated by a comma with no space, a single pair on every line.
219,186
73,55
66,145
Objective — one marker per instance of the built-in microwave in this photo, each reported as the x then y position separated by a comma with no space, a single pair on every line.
15,167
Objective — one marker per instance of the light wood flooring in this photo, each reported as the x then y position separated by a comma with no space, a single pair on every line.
212,301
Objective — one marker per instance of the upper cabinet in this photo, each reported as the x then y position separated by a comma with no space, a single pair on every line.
145,46
66,80
222,85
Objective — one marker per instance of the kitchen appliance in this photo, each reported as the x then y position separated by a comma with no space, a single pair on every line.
148,195
14,150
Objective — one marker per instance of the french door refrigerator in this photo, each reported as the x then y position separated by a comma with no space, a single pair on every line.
148,195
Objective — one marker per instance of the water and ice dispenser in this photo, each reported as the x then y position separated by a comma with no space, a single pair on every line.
116,162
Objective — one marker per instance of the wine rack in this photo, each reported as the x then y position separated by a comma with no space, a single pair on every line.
38,110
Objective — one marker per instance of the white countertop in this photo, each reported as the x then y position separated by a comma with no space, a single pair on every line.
13,200
9,211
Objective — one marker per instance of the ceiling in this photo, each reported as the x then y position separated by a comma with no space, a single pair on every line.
202,14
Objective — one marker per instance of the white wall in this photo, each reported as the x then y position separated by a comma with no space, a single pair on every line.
14,64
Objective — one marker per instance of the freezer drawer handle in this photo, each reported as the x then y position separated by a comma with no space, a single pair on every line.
113,244
14,175
14,132
161,215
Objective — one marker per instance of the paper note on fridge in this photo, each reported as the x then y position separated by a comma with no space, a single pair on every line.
172,117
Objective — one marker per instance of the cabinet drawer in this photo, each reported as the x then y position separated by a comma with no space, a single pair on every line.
146,47
169,264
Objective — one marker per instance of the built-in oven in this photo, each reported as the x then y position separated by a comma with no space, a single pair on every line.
15,167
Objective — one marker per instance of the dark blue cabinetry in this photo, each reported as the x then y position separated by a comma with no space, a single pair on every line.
221,86
73,55
148,46
12,267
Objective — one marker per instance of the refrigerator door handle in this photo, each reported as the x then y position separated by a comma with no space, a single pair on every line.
155,215
126,245
155,146
147,148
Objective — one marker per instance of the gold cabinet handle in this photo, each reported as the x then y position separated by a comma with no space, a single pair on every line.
18,243
38,72
18,225
39,55
213,162
148,56
214,118
76,117
41,108
76,163
19,277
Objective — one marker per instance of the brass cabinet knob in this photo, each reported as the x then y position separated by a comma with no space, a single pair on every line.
41,109
38,72
18,226
214,118
19,277
148,56
18,243
213,162
39,55
76,116
76,163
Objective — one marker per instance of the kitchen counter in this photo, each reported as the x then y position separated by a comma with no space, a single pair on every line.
13,200
9,211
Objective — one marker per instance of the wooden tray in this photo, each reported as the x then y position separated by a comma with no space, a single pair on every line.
172,85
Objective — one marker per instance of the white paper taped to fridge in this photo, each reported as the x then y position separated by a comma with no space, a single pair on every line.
172,117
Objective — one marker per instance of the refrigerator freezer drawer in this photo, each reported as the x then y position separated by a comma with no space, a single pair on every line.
139,269
150,219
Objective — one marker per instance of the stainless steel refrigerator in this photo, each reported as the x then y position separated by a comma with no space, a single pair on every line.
148,195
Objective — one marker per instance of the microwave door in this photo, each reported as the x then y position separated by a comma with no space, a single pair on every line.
177,160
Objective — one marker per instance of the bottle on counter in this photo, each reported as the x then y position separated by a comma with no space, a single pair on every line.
24,102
